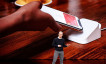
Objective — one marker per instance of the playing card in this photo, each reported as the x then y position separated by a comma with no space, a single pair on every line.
64,18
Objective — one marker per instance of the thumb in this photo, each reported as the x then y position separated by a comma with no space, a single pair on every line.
35,4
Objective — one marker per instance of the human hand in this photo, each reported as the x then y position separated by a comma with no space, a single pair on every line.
35,19
59,45
67,45
28,18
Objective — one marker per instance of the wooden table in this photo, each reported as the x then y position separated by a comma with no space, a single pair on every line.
38,44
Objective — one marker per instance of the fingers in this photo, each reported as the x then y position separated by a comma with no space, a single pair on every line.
40,16
68,44
53,24
38,4
35,4
49,21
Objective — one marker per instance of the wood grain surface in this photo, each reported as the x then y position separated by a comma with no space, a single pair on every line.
38,44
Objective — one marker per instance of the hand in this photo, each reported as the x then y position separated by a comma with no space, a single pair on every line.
35,19
68,45
59,45
28,18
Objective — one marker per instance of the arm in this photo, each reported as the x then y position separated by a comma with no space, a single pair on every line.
64,44
10,23
54,43
28,18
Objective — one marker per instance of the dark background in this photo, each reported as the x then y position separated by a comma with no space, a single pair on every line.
38,44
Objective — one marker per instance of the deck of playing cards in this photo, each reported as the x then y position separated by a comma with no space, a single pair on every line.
64,18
